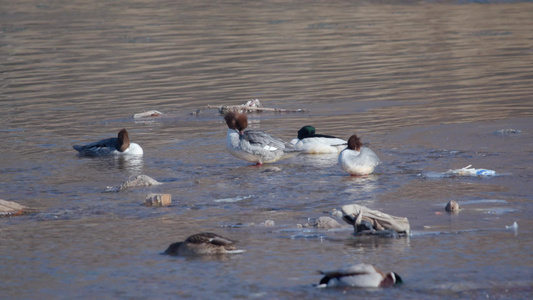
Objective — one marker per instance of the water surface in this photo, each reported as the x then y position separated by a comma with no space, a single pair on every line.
426,84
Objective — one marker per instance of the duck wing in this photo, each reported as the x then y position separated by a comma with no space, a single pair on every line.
211,238
109,144
262,139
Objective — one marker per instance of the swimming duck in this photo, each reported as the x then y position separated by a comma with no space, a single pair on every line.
312,143
203,243
360,276
112,146
356,159
254,145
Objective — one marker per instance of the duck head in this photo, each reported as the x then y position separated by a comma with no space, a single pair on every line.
354,143
123,140
306,131
236,121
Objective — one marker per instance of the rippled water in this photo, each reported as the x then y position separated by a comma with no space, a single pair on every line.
426,84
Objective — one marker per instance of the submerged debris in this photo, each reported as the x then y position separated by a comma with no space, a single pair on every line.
248,107
508,131
10,208
373,222
235,199
467,171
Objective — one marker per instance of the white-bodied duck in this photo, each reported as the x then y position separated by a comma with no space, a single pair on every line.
356,159
360,276
112,146
254,145
310,142
204,243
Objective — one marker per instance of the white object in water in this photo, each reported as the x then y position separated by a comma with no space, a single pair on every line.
513,227
467,171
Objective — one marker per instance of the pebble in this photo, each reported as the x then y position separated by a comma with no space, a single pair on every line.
453,207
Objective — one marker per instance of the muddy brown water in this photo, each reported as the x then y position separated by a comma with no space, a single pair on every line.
427,84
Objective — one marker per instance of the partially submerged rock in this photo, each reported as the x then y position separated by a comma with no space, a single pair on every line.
269,223
147,114
134,181
326,223
508,131
367,221
10,208
158,200
452,207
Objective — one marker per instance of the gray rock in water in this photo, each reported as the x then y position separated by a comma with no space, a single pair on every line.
134,181
326,223
452,207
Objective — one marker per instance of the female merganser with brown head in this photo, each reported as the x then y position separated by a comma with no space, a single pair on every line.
254,145
112,146
356,159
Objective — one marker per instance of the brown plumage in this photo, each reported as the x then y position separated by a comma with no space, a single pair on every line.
354,143
203,243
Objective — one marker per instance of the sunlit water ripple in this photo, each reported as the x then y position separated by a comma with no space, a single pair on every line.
426,84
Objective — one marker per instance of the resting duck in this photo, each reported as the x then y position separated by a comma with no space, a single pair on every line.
360,276
254,145
356,159
203,243
112,146
311,143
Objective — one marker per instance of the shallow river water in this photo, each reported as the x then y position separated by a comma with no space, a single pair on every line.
427,84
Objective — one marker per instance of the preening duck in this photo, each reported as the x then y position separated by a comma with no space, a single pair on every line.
254,145
203,243
112,146
310,142
356,159
360,276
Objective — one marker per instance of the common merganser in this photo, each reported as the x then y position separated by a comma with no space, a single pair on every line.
254,145
311,143
360,276
112,146
356,159
203,243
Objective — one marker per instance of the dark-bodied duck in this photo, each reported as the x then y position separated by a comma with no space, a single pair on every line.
360,276
203,243
356,159
310,142
254,145
112,146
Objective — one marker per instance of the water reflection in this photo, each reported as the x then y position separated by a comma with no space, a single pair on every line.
369,243
132,164
316,160
360,186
